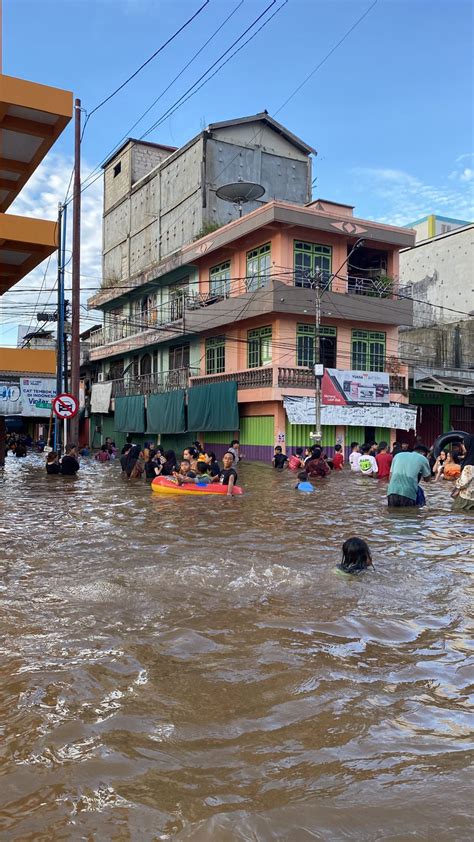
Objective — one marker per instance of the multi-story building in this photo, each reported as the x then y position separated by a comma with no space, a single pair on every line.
432,224
218,337
438,274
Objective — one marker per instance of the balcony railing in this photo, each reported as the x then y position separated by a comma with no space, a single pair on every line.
381,287
295,378
251,378
153,384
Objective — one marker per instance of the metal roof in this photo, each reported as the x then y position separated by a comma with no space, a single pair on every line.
264,117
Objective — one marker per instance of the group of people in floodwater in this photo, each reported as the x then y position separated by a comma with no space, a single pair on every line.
403,467
197,465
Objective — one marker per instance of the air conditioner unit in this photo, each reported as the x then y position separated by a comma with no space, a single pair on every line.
100,377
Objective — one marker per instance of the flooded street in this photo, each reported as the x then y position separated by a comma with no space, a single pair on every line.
194,669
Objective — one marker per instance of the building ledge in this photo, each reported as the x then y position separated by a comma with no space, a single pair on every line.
24,244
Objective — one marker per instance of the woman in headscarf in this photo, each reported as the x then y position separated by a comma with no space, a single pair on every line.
464,488
132,459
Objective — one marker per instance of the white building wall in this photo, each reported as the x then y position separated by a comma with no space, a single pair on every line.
440,272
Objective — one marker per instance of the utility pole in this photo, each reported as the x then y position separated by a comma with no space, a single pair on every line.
59,325
318,368
76,269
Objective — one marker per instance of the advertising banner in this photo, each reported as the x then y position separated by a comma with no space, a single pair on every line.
10,397
37,394
302,410
29,397
352,388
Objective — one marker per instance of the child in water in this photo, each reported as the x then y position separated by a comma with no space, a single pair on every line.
356,556
303,483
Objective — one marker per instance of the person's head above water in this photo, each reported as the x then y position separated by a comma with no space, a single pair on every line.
383,446
316,452
421,448
227,460
365,448
303,476
278,449
354,446
355,556
202,467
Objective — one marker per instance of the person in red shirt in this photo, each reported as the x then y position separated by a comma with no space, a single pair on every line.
338,458
384,460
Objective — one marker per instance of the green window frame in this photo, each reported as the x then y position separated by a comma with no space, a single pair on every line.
309,259
219,279
259,346
215,355
258,267
368,350
305,343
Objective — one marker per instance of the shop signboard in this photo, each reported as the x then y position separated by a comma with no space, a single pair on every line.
30,397
353,388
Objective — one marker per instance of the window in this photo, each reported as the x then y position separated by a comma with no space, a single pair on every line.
309,259
117,169
305,335
258,267
145,364
368,350
177,295
215,355
219,279
179,357
259,347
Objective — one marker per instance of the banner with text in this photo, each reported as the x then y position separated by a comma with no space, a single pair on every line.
30,397
349,388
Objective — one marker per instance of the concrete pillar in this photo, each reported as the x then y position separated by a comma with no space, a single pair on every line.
279,424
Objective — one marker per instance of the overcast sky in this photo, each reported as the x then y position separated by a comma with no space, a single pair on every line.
390,111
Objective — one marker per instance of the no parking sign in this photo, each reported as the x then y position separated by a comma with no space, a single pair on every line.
65,406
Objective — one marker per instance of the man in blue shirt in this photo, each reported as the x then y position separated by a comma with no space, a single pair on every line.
406,471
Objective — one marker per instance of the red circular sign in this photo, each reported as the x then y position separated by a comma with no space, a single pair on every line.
65,406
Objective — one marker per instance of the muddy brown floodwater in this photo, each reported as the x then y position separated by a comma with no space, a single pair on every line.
182,668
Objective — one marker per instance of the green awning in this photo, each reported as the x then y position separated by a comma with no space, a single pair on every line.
130,414
165,413
213,407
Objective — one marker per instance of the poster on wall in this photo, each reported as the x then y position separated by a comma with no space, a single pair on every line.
10,397
349,388
37,394
29,397
302,410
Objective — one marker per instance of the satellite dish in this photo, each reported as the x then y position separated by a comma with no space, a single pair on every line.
240,192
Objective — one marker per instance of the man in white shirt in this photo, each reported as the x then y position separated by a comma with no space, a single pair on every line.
354,457
367,463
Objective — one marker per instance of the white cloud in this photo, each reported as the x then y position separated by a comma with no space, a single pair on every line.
404,198
39,198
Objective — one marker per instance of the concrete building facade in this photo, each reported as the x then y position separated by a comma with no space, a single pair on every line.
438,273
235,308
157,198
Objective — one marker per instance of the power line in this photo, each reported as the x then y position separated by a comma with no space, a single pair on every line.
163,92
148,60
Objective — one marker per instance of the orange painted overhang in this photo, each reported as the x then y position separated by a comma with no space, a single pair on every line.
32,117
27,361
24,244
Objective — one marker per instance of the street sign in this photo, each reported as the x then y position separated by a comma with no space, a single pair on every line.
65,406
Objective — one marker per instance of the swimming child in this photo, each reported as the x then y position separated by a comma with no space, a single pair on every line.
356,556
303,483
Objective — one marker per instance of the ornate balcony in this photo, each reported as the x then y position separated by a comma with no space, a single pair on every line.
153,384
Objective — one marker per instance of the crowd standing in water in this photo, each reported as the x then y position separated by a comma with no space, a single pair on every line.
402,467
